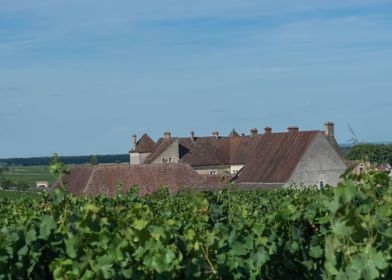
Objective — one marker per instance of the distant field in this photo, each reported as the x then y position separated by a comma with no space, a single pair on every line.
19,195
30,174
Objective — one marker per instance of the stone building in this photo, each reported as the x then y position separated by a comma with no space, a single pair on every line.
253,161
257,160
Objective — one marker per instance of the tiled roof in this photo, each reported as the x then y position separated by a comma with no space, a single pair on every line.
77,179
196,152
212,150
234,133
149,178
241,148
275,157
209,150
269,158
144,145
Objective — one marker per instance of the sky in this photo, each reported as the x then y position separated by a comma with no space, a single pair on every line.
79,77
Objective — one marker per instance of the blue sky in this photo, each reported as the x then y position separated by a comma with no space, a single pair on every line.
79,77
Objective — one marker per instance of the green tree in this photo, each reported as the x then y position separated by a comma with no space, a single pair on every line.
3,168
5,183
93,160
22,186
58,168
376,153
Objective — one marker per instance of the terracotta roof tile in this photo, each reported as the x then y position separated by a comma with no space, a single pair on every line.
77,179
148,177
206,150
144,145
275,157
241,148
197,152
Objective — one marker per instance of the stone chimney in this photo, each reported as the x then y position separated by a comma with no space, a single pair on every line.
329,129
167,135
267,130
192,135
253,132
215,134
134,142
293,129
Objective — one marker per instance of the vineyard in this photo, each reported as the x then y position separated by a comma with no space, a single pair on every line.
341,233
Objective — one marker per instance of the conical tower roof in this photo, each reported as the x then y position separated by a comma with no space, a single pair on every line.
145,144
233,133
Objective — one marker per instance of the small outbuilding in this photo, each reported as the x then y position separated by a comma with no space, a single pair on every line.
42,184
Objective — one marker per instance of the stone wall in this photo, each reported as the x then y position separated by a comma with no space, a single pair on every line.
320,165
235,168
138,158
170,155
214,170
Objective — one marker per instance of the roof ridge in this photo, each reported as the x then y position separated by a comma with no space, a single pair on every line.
89,180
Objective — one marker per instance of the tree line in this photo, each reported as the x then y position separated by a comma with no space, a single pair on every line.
7,183
86,159
375,153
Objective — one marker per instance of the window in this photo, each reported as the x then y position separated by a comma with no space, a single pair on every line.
167,160
321,184
361,167
213,172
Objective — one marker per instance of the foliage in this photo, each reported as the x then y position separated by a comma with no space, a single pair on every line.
3,168
342,233
5,183
377,153
16,195
34,161
58,168
93,160
29,175
22,186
